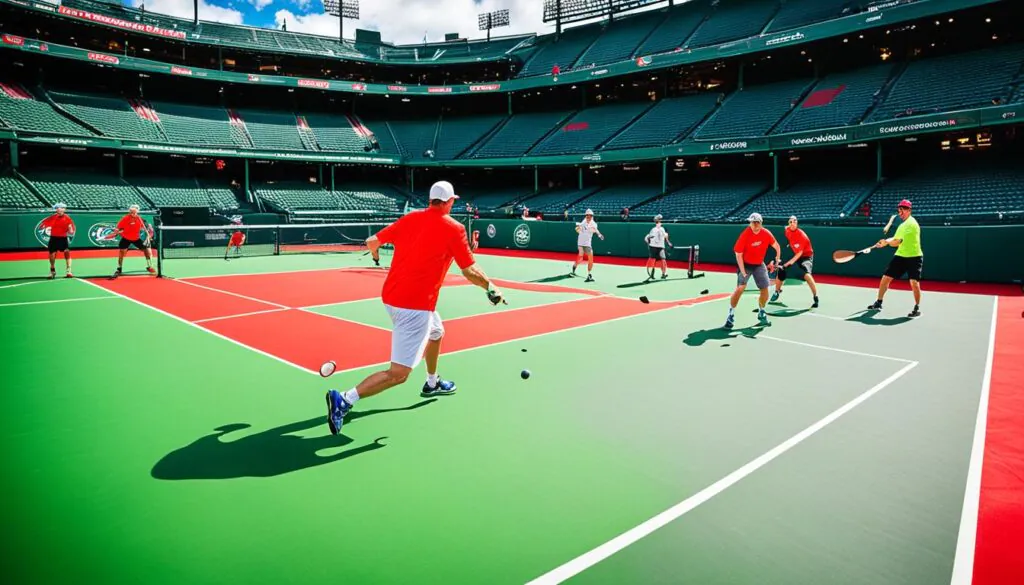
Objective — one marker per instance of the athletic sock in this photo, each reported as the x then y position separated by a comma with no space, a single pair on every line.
760,311
432,380
732,310
352,396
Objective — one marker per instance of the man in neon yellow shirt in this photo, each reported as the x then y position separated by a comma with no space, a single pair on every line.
909,258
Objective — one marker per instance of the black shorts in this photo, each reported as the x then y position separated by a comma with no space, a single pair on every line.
125,243
900,265
58,244
656,253
803,267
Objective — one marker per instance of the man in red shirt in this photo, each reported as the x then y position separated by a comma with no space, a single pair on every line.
803,257
236,241
425,242
751,248
62,228
130,229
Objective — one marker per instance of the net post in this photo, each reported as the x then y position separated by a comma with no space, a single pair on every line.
158,228
277,241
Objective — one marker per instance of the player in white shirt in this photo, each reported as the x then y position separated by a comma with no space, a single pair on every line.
586,230
656,240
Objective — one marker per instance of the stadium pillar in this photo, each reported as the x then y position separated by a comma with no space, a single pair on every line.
664,175
739,81
246,185
536,179
120,165
510,103
775,173
878,162
13,145
220,59
195,12
581,178
332,178
412,180
320,175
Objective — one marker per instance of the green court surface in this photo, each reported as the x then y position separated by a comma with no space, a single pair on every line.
649,445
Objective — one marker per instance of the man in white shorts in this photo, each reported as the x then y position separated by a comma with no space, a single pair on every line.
586,230
656,240
426,242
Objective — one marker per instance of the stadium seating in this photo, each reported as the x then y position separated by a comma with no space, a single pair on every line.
20,110
272,130
488,200
457,134
839,99
814,199
563,52
174,192
519,134
201,125
86,190
414,136
15,195
297,196
796,13
222,198
753,110
702,201
611,200
589,128
954,189
113,116
733,19
362,197
621,38
554,201
335,133
678,26
122,12
925,86
668,120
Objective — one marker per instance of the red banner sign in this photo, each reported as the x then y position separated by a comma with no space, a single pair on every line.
180,71
488,87
439,90
317,83
398,88
13,40
104,58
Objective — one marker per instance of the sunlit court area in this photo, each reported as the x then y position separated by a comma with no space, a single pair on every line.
692,292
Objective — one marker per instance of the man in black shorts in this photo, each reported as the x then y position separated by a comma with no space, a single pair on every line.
909,258
61,229
130,229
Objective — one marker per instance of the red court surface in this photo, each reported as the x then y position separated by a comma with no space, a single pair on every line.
262,312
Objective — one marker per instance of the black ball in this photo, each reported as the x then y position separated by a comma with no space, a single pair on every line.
525,374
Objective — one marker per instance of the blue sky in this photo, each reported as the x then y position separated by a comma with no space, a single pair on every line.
400,21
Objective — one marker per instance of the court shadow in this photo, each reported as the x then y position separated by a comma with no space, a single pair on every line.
648,282
270,453
787,312
871,318
699,338
549,279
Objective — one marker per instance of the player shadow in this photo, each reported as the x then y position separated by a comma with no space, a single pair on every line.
870,318
270,453
550,279
648,282
699,338
784,311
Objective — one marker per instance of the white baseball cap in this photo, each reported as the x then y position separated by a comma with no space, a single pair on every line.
755,217
657,217
442,191
133,207
793,218
589,212
60,206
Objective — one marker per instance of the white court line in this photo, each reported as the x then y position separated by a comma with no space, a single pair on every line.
201,328
518,339
254,299
836,349
24,283
591,558
56,301
963,561
239,315
820,316
361,324
340,268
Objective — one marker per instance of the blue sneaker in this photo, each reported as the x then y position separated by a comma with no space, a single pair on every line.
443,388
762,319
337,408
775,296
730,321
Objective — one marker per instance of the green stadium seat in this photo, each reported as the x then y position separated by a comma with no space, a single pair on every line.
814,199
20,110
611,200
621,38
752,111
702,201
679,24
730,20
519,133
667,121
173,192
335,133
15,195
414,136
563,52
272,130
925,88
840,99
113,116
199,125
555,200
80,190
458,134
589,128
796,13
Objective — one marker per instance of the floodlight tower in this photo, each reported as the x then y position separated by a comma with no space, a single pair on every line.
342,9
495,19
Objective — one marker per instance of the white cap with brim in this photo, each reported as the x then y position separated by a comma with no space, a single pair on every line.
793,218
589,212
755,217
657,217
133,207
442,191
60,206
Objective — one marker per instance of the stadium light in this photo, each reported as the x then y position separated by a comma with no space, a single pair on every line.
495,19
342,9
560,11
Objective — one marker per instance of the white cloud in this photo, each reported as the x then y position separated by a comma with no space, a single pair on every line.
303,4
406,21
184,9
260,4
